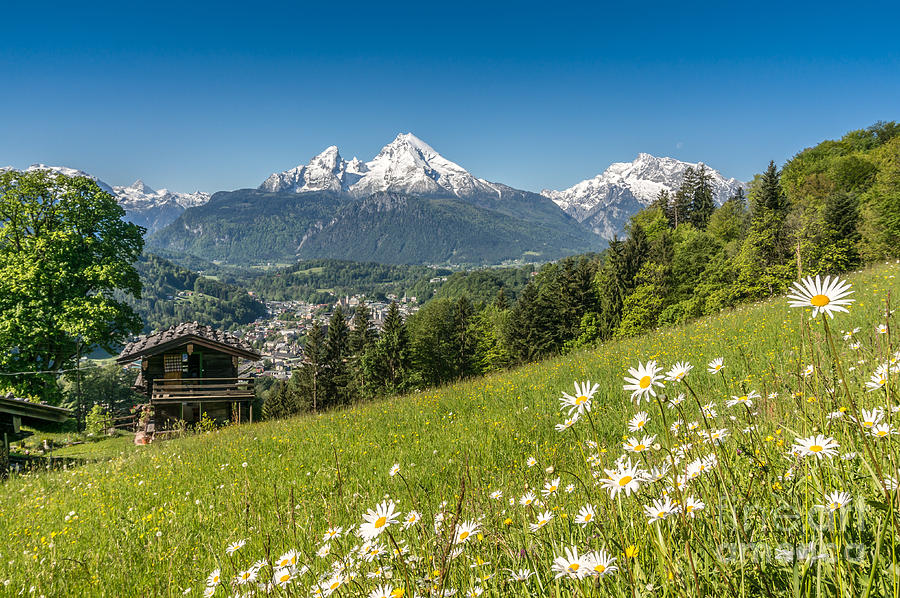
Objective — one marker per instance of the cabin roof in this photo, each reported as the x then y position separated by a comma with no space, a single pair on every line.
32,413
188,332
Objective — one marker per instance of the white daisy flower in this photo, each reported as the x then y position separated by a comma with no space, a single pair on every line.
817,446
637,423
581,400
642,380
679,371
835,501
571,565
828,296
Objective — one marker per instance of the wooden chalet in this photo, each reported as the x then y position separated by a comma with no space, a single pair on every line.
15,412
190,370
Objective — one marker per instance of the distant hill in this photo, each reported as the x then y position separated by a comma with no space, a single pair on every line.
172,294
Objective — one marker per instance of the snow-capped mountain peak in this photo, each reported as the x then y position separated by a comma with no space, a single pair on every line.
143,205
140,186
72,172
606,201
407,164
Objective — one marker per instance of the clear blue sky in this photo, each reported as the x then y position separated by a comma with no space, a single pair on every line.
217,96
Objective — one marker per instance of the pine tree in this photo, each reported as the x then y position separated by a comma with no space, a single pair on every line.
613,287
313,377
273,407
388,361
362,335
337,350
770,198
684,198
463,346
500,301
663,201
702,202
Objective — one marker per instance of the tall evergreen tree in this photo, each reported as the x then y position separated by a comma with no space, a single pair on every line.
770,198
663,201
500,301
388,361
362,335
684,198
702,202
273,406
463,346
337,352
313,377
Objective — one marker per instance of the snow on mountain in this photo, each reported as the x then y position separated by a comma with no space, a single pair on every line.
606,201
143,205
406,165
70,172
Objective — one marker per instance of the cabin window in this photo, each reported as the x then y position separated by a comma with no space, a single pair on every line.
172,363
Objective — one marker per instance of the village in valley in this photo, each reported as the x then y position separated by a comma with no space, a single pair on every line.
280,336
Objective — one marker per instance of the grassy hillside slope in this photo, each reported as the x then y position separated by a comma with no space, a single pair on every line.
156,520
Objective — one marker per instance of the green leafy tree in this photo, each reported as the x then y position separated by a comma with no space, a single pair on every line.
109,386
66,257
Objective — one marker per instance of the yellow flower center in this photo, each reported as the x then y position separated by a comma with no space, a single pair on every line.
639,447
689,508
645,381
881,433
574,567
624,480
334,585
820,300
815,448
661,514
463,535
285,577
599,568
380,521
581,399
588,517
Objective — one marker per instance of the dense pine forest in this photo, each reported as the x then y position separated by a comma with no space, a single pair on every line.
831,208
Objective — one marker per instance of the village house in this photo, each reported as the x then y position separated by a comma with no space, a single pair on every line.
191,370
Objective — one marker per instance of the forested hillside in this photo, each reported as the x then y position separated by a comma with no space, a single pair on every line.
248,227
172,294
321,280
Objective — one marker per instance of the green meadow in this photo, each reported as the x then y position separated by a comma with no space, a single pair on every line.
156,520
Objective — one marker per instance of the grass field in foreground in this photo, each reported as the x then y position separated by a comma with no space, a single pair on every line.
156,520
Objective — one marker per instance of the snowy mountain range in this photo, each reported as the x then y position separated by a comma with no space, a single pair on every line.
144,206
606,201
405,165
408,165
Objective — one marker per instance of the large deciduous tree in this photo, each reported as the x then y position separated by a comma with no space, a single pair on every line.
66,262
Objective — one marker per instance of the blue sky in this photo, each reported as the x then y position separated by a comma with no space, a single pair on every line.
216,96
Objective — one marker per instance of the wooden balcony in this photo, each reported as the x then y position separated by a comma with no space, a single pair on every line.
193,390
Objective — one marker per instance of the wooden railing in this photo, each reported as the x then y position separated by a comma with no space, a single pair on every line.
201,389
